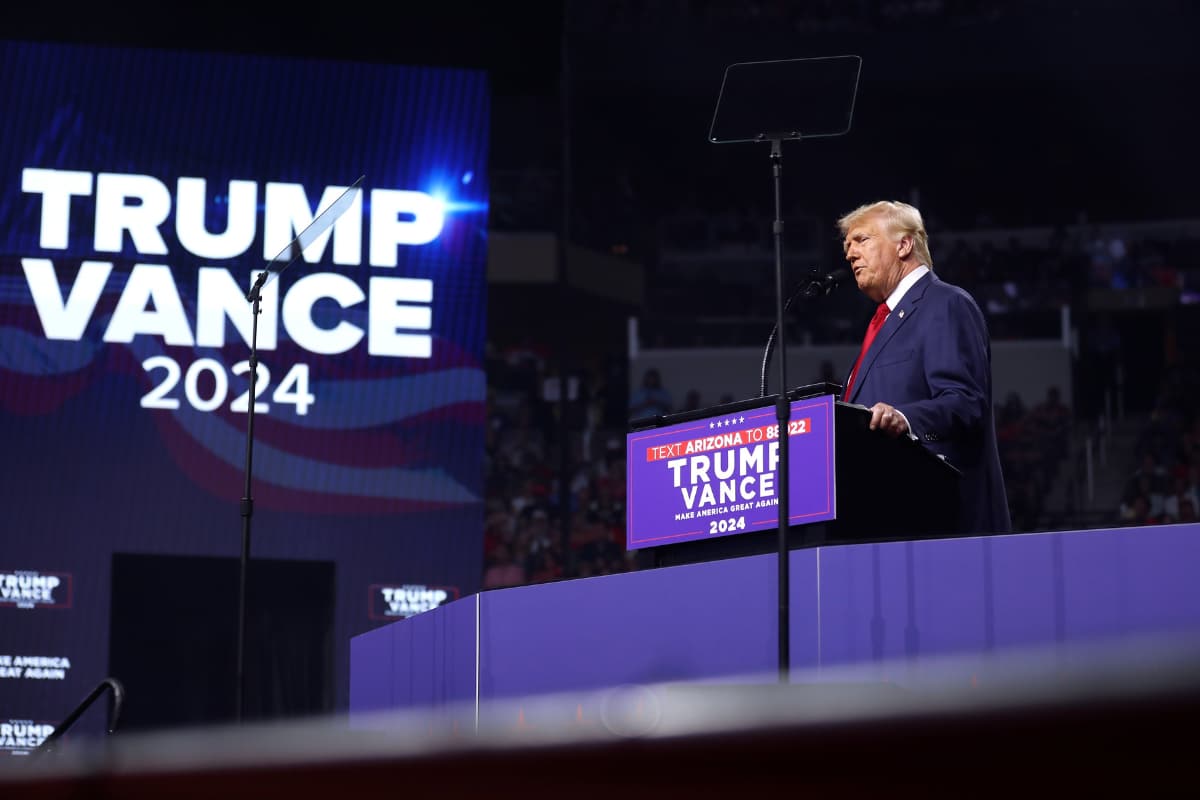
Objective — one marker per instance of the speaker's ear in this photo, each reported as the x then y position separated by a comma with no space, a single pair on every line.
904,246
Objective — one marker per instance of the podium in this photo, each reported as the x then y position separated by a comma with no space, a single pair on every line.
700,484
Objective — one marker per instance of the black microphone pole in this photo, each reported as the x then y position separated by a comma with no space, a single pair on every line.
247,505
288,256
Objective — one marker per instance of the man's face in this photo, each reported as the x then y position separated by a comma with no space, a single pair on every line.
875,257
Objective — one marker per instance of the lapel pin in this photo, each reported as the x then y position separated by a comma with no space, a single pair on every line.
902,313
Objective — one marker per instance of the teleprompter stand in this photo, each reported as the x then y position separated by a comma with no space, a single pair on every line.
322,223
774,101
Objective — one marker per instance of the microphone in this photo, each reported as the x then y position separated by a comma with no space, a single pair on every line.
821,285
810,289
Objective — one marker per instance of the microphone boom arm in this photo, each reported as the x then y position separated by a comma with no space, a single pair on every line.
813,288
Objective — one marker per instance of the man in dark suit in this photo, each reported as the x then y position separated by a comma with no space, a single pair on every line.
925,369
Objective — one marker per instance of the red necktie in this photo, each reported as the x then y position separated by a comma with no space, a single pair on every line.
881,313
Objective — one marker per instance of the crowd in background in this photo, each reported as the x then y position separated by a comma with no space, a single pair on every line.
1021,279
1034,444
536,528
1165,486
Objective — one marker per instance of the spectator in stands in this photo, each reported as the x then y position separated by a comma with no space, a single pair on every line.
538,537
1167,480
1193,483
1019,459
1151,475
1137,511
1051,423
1188,450
546,567
1146,486
502,570
650,399
927,371
1182,496
1187,511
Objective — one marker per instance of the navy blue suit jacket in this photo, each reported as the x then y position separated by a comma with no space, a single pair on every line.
932,360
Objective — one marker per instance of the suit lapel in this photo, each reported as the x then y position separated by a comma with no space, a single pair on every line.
899,315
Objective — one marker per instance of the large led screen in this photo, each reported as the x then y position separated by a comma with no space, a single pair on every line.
140,193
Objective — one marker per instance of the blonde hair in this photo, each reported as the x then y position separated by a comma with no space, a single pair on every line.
900,219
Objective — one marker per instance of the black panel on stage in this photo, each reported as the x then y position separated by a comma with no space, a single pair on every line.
173,638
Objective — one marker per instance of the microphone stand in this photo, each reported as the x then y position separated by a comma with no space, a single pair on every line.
288,256
254,296
812,289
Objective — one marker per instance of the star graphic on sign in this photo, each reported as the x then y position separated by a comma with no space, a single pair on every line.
711,425
741,419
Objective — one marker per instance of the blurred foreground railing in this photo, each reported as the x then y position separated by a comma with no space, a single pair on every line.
116,699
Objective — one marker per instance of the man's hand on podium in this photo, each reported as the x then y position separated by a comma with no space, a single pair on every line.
889,420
